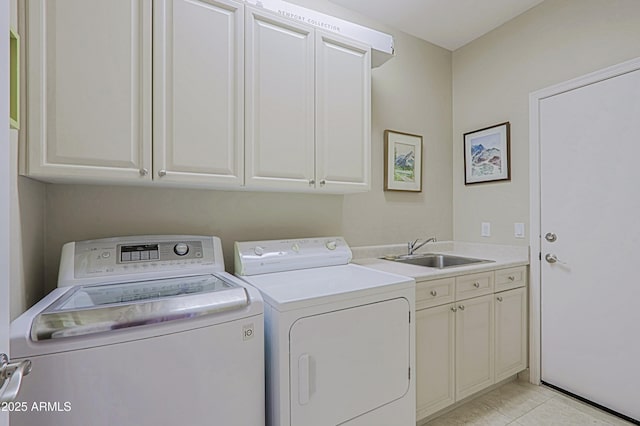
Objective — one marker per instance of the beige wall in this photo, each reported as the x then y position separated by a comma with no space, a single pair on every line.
492,79
410,93
27,235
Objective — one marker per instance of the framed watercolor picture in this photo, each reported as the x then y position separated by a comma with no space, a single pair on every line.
486,154
402,161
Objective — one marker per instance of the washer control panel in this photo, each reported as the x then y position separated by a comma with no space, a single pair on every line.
146,255
260,257
158,251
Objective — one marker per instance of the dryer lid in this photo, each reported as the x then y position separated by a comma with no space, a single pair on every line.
291,290
98,308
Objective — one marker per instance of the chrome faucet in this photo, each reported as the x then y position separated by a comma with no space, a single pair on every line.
412,248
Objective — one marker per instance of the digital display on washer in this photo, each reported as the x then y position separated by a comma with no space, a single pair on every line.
138,252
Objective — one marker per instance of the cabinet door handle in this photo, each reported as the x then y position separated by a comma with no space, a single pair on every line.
323,182
499,298
162,172
512,278
476,284
434,293
453,309
461,307
312,182
144,172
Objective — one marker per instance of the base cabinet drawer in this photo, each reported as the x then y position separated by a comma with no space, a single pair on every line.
434,293
506,279
474,285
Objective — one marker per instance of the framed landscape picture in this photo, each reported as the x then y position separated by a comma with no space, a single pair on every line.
486,154
402,161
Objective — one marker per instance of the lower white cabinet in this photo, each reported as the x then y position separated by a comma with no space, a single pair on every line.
435,355
474,345
467,345
511,332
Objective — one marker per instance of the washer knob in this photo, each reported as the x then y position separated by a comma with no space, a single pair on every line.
259,251
331,245
181,249
295,247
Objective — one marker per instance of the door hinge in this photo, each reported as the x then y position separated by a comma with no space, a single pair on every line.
409,373
539,255
409,317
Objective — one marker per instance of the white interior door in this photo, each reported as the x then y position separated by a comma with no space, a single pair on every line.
348,362
589,162
4,187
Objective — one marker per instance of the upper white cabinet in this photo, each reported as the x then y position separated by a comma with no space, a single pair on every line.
279,82
343,114
89,90
194,93
198,92
308,107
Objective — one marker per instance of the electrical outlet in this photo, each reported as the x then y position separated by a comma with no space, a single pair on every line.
486,229
518,230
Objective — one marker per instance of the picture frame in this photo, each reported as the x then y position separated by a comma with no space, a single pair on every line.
402,161
487,154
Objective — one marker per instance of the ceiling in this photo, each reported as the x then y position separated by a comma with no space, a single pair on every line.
447,23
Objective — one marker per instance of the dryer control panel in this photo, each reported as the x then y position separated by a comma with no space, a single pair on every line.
105,259
261,257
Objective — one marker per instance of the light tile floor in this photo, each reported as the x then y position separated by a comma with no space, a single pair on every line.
523,404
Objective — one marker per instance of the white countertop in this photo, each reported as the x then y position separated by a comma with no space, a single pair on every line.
503,256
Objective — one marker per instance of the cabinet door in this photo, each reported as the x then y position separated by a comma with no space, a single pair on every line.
474,345
279,113
511,332
343,114
89,97
198,92
435,344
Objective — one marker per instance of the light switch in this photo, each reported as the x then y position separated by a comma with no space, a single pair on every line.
486,229
518,230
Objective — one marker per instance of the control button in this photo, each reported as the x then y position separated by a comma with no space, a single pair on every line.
153,254
126,256
135,255
331,245
258,250
181,249
106,254
198,254
144,255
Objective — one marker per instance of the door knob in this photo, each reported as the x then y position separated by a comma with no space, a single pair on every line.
552,258
13,372
551,237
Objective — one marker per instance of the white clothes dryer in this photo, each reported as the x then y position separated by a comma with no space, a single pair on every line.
339,338
143,331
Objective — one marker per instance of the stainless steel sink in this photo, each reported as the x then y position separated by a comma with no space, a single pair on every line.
436,260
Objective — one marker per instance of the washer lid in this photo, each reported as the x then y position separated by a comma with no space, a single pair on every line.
296,289
98,308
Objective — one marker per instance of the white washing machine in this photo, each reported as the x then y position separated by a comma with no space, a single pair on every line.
142,331
339,338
